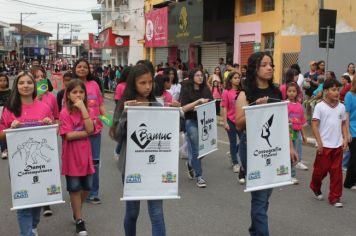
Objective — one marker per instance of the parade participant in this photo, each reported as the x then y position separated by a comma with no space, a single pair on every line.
194,92
96,108
77,165
216,91
23,109
139,91
4,96
296,120
300,75
346,86
218,72
229,96
162,95
120,88
175,85
258,89
350,70
350,106
330,131
60,95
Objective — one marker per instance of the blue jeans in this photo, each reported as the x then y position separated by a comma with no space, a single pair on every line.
28,219
3,145
95,141
297,144
155,211
191,127
345,159
118,148
259,199
234,147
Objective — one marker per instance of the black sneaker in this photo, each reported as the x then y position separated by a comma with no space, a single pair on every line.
80,228
191,173
47,211
94,200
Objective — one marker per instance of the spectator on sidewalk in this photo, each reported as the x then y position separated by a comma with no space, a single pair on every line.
300,75
346,86
350,70
321,68
222,65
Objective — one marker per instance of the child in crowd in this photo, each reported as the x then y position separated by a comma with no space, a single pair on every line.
139,92
296,120
216,91
60,95
330,131
4,96
77,166
23,108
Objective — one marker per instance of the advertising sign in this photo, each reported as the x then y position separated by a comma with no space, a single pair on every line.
268,150
207,128
157,28
34,166
152,154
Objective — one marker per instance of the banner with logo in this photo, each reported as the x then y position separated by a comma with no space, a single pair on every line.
268,151
207,128
152,153
157,28
34,166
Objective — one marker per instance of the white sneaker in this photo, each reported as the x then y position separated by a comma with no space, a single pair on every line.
301,166
35,232
242,181
236,168
353,187
338,205
295,181
318,196
4,154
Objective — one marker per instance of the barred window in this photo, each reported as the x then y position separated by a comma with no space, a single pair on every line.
268,5
248,7
268,42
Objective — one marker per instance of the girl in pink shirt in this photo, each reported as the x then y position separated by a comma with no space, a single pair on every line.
296,121
75,129
120,88
229,96
96,108
23,110
163,96
216,91
48,98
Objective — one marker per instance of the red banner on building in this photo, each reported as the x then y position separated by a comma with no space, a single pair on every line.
107,39
157,28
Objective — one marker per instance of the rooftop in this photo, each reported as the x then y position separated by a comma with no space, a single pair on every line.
29,30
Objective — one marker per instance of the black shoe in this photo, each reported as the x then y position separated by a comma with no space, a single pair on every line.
47,211
191,173
80,228
94,200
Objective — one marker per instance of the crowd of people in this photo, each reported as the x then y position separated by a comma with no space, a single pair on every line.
327,103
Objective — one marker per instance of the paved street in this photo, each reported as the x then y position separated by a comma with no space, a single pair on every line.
220,209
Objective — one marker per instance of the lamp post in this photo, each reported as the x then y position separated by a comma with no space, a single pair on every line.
21,33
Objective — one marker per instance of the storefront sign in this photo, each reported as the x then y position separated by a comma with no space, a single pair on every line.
34,167
107,39
157,28
152,154
268,155
185,22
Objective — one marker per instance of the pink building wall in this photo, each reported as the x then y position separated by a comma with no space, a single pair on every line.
246,32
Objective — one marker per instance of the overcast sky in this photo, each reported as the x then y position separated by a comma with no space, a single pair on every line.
46,19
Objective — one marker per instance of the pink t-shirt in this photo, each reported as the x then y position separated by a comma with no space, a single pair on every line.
50,100
228,100
95,100
296,115
216,93
31,115
167,98
76,154
119,92
283,89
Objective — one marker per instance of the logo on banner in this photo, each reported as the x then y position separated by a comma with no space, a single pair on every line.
169,177
21,194
133,179
152,159
119,41
151,142
265,133
282,170
254,175
149,30
53,190
206,127
35,179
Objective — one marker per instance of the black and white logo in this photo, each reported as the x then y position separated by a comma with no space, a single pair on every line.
265,133
35,179
206,126
152,159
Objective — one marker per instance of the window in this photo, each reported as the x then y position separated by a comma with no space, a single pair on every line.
268,5
268,43
248,7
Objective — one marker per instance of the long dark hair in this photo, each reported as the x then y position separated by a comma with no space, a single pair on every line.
290,75
89,76
250,84
166,72
130,91
14,103
231,75
72,85
148,64
7,79
203,88
160,80
125,74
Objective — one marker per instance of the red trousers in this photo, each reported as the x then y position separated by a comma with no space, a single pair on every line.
330,161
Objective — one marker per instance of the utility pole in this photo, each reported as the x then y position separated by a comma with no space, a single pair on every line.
21,33
57,42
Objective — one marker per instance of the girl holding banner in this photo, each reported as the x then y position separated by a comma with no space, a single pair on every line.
259,89
22,110
96,108
138,91
194,92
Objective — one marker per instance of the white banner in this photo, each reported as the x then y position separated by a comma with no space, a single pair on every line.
207,128
268,151
34,166
152,153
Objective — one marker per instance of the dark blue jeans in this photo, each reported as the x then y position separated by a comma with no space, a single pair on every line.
259,199
95,141
234,146
28,219
191,127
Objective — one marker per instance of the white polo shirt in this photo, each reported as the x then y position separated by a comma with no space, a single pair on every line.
330,123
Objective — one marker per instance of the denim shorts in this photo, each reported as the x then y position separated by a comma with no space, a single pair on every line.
78,183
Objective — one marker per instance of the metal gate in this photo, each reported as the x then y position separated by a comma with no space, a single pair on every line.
288,59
